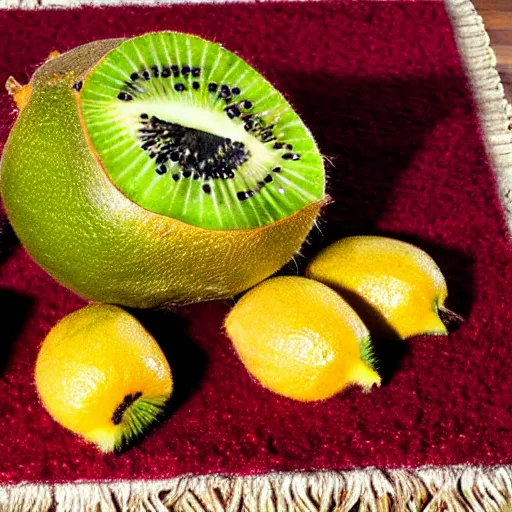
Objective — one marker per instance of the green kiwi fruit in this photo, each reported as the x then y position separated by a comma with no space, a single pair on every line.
158,169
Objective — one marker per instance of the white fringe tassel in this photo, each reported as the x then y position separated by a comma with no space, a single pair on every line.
494,110
454,489
66,4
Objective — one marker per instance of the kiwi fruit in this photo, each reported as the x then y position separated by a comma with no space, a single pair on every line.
158,169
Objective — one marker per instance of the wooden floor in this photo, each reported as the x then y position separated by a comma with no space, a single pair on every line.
497,15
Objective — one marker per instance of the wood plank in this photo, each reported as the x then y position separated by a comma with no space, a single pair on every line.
498,5
497,16
501,37
495,20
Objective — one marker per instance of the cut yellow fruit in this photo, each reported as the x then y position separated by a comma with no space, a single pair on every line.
395,287
100,374
300,339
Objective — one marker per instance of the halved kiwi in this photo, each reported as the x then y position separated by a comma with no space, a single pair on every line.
189,130
161,168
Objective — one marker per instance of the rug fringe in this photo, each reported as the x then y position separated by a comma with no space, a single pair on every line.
495,111
454,489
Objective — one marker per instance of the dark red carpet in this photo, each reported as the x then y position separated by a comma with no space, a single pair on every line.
381,86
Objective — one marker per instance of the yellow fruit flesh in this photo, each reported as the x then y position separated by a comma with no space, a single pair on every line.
392,284
89,362
299,339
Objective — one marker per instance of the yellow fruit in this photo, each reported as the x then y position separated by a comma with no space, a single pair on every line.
101,375
300,339
395,287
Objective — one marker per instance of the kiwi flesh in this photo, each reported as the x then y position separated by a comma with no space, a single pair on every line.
187,129
159,169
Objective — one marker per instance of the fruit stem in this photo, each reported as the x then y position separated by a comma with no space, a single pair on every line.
53,55
140,413
367,351
117,417
364,376
20,93
129,421
450,319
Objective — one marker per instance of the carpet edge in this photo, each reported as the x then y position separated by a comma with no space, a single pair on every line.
495,112
455,488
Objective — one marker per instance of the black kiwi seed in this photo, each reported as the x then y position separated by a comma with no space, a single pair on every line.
77,86
232,112
278,145
134,76
176,177
155,71
179,87
195,85
212,87
123,96
200,155
268,178
207,189
166,72
276,169
117,417
235,90
224,89
290,156
161,170
241,196
146,75
185,70
144,116
247,104
196,72
289,146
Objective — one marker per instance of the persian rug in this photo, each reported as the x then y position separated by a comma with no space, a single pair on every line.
406,105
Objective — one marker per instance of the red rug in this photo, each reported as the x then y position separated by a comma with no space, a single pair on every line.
382,88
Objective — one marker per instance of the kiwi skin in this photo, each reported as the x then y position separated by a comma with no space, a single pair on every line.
91,238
